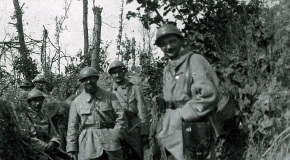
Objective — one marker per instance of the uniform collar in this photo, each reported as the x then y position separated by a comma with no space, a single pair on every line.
182,57
98,95
123,85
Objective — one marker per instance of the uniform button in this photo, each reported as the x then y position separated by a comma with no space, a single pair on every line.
125,94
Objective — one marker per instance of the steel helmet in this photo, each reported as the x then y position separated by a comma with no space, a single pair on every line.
34,93
88,72
116,64
25,83
40,78
166,29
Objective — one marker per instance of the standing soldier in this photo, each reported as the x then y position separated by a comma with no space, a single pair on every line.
190,90
42,135
96,122
131,98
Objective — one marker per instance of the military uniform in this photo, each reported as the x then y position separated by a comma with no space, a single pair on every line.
131,99
103,124
203,100
40,130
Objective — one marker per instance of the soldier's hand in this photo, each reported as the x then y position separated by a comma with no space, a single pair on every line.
144,140
50,146
73,155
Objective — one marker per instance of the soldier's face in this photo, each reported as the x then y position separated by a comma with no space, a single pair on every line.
170,45
118,74
90,84
36,104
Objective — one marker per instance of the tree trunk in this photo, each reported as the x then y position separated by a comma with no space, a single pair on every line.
133,52
19,27
58,29
96,37
86,34
43,51
119,40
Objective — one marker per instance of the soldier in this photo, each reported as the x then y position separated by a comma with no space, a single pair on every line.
96,122
42,135
190,90
40,83
131,99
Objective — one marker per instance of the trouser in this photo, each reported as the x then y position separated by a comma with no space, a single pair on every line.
113,155
129,152
110,155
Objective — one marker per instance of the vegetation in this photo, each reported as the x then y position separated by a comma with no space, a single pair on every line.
248,45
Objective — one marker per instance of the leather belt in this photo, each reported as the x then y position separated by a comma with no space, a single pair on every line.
175,104
100,125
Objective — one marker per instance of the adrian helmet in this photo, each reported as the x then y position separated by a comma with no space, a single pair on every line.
34,93
116,64
166,29
88,72
24,83
40,78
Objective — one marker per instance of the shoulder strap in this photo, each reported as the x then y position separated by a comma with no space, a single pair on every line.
126,100
188,80
30,119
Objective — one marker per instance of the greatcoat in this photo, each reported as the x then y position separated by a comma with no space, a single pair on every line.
88,140
131,99
40,130
204,99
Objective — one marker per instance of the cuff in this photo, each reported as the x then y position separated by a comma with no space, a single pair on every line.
188,112
71,148
55,140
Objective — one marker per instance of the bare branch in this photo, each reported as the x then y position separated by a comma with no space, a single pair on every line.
108,25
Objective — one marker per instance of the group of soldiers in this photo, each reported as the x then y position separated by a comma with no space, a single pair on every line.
114,124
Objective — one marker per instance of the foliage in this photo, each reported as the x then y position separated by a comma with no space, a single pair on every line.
248,47
12,143
28,68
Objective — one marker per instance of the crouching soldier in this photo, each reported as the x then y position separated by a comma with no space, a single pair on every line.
96,122
43,137
131,99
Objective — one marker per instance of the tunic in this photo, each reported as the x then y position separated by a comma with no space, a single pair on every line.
91,141
131,99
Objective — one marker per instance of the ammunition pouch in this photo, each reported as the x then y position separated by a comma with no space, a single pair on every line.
161,104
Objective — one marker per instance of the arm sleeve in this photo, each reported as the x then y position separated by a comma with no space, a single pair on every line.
53,134
72,131
204,90
142,111
121,120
